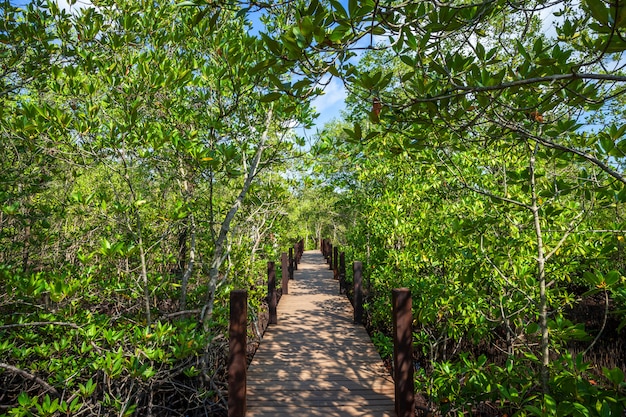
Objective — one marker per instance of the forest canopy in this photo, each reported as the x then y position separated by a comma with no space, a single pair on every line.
150,165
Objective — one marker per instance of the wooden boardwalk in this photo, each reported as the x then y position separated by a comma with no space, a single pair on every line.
316,361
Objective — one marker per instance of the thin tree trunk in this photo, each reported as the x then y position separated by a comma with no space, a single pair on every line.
184,265
541,276
26,247
190,264
255,245
182,250
220,242
144,269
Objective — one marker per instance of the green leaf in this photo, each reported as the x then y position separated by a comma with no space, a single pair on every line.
306,25
591,278
565,408
550,404
607,143
353,7
313,5
532,328
612,278
534,410
270,97
480,51
522,50
271,44
338,33
339,9
23,399
581,409
358,134
243,12
599,11
407,60
615,375
334,71
605,410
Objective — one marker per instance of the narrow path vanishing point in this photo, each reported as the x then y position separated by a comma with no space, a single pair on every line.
316,361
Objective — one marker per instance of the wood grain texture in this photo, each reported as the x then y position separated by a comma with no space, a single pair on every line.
316,361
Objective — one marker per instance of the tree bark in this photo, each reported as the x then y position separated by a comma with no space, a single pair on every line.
144,269
541,276
220,242
190,264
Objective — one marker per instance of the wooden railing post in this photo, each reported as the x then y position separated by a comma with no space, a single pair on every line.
290,263
330,256
403,352
237,360
271,292
300,249
342,272
295,256
357,274
326,249
335,266
284,268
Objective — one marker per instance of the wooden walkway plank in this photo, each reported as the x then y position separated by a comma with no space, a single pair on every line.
316,361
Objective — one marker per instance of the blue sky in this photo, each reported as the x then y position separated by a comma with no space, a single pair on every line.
331,103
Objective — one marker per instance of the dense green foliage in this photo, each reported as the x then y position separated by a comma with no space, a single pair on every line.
470,261
142,150
146,149
484,173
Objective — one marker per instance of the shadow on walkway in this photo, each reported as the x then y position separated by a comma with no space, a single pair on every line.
316,361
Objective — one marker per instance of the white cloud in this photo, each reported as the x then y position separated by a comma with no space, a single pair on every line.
76,7
332,100
329,106
549,20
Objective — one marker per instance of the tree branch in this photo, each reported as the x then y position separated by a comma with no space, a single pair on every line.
41,323
462,90
549,144
29,376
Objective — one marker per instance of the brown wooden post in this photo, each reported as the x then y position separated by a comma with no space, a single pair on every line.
326,249
299,250
290,263
295,256
271,292
284,268
330,256
335,267
357,269
403,351
237,360
342,272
